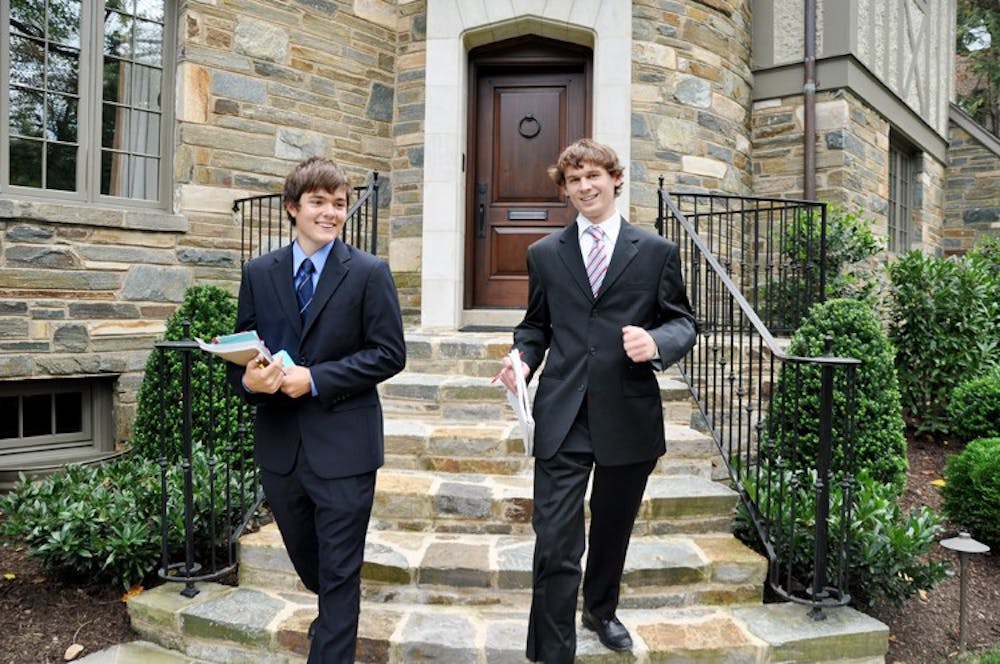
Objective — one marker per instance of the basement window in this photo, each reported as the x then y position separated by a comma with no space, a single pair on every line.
55,414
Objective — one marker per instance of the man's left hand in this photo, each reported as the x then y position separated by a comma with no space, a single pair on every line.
638,344
297,381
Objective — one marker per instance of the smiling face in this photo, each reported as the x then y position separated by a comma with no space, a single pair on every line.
591,190
319,217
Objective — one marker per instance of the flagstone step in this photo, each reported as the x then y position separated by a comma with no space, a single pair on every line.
479,399
670,570
226,624
420,443
425,501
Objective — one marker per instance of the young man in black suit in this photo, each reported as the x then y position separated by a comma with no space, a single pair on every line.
318,429
607,301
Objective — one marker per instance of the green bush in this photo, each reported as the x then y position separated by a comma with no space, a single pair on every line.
974,408
103,522
887,559
945,324
211,312
879,441
972,489
849,265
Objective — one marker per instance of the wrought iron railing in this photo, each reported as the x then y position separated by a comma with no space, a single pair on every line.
748,389
264,226
211,452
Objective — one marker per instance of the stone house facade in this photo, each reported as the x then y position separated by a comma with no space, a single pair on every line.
126,146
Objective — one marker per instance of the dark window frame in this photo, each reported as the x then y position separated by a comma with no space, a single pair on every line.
143,192
904,167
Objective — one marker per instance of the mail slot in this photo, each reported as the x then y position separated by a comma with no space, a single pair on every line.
527,215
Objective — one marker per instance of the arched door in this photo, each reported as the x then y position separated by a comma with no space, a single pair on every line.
531,99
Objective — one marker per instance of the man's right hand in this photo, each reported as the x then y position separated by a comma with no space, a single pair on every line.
262,377
507,376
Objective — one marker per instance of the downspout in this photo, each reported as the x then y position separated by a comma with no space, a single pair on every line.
809,104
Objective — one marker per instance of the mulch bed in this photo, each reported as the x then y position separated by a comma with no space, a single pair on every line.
41,617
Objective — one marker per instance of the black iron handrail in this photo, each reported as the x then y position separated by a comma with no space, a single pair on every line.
733,373
264,226
213,520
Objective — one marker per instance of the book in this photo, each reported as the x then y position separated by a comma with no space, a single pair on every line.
521,403
241,347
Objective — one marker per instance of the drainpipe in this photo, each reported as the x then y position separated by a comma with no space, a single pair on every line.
809,104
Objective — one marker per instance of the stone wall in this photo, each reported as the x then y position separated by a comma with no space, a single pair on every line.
260,85
690,100
852,170
973,193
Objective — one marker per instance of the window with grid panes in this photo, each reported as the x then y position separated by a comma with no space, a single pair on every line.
903,166
87,99
54,414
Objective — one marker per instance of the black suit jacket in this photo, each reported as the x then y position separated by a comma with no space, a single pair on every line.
351,341
583,335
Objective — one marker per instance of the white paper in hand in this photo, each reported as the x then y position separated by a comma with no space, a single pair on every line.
521,404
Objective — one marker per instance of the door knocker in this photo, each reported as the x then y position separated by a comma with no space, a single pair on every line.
529,126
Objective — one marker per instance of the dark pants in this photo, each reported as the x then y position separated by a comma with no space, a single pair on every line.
323,523
558,520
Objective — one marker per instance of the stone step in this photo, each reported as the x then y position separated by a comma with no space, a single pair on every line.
461,353
421,443
425,501
660,570
226,624
138,652
479,399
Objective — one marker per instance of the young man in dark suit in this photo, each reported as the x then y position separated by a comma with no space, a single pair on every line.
318,429
607,301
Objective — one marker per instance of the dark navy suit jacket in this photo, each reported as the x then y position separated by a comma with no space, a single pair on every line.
351,341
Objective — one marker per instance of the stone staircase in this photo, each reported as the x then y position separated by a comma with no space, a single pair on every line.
447,571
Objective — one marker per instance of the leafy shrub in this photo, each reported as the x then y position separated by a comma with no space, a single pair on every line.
792,425
945,324
972,489
974,408
211,311
103,522
848,264
887,560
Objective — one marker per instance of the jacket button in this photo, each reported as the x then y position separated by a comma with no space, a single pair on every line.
581,388
593,350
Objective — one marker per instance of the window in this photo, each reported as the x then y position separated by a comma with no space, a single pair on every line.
86,100
903,167
53,414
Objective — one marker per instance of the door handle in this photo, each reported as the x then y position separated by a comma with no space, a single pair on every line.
481,216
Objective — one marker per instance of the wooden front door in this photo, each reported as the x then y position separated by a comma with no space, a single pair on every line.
531,101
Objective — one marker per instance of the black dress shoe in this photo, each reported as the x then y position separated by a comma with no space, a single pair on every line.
611,632
312,628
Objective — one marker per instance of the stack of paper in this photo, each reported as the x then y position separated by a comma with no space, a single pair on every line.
521,403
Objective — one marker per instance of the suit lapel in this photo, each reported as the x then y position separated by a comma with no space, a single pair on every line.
337,265
569,253
284,286
626,249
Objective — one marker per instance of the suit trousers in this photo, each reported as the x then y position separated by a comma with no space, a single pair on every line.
323,523
558,520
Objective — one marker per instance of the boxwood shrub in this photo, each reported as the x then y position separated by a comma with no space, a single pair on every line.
974,408
793,422
216,415
972,489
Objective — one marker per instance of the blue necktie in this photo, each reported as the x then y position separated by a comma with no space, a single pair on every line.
304,286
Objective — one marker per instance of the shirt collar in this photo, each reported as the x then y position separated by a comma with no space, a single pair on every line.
318,258
611,226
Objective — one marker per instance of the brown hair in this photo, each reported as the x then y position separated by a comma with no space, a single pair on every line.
314,174
586,149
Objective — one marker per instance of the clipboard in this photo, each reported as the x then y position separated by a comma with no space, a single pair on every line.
521,403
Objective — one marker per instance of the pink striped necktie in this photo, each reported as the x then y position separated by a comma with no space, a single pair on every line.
597,259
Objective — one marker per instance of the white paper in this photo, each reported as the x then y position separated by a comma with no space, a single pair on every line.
521,403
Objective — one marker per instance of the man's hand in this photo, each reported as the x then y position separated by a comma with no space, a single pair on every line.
507,376
638,344
262,377
297,382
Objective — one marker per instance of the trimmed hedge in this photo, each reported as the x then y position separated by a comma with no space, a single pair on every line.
972,489
974,408
879,441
